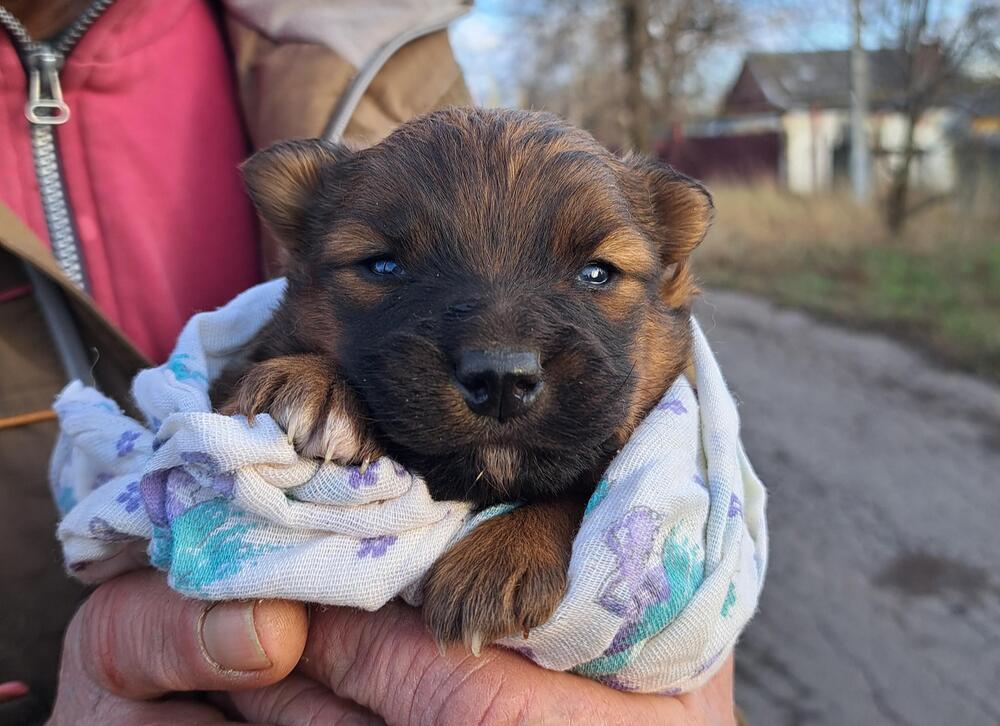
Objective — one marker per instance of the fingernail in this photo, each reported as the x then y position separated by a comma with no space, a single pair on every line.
229,637
12,689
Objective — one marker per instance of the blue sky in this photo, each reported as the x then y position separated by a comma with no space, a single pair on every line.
482,40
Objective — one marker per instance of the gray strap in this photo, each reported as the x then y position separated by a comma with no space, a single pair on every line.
348,102
62,327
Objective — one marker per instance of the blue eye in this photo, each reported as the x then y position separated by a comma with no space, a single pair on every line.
595,274
385,266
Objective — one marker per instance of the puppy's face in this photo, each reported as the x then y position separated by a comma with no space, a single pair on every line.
506,297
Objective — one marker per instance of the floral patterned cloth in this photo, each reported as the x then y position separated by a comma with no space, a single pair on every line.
666,570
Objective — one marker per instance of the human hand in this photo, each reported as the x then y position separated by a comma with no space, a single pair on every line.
382,667
135,641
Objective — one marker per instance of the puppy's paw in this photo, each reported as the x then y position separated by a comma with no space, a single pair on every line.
310,402
494,583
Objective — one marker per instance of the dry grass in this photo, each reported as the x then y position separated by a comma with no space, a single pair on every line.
761,216
938,286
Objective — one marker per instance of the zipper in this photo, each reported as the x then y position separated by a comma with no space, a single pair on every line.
45,109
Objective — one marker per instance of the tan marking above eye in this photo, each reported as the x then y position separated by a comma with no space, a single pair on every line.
627,250
621,301
352,242
358,288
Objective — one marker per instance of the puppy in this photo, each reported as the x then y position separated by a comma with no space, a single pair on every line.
495,301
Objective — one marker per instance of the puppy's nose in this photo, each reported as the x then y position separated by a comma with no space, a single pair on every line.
498,383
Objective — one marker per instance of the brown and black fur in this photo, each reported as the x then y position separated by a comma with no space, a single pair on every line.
492,214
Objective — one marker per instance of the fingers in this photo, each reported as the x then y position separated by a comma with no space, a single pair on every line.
122,712
136,638
299,700
387,662
713,702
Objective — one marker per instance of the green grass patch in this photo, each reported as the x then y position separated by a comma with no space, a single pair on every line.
945,299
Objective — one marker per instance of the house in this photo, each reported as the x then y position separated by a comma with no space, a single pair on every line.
787,116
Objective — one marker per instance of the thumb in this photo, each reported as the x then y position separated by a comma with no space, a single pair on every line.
136,638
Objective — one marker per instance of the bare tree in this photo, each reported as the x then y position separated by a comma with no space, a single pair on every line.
635,32
933,58
620,68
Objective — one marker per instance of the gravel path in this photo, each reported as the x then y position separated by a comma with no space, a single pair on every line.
883,598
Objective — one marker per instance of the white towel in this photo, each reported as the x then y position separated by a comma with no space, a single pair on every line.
666,569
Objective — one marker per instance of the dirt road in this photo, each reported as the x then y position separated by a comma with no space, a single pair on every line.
883,597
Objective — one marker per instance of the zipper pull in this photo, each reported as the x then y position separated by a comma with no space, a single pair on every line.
47,110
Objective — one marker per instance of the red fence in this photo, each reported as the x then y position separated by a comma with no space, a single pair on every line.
742,157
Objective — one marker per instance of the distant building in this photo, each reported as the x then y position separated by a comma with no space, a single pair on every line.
787,115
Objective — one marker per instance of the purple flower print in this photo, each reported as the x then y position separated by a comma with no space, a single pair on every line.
654,588
183,492
101,529
735,507
674,405
130,497
612,681
369,478
710,662
101,479
631,540
153,488
221,482
525,651
169,493
375,547
126,442
631,590
700,481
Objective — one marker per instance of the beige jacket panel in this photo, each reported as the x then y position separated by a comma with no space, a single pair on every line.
32,374
353,29
289,89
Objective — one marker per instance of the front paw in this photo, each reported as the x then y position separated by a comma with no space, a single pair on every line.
492,584
310,402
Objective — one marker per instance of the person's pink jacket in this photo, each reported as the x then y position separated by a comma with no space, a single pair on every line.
150,158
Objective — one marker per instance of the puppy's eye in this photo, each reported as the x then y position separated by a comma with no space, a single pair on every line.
384,266
595,274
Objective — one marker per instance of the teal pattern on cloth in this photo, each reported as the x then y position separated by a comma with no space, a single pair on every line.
666,568
178,364
682,567
211,542
65,499
727,605
600,491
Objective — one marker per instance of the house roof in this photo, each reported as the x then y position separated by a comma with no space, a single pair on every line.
801,80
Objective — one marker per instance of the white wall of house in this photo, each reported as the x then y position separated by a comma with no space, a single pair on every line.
934,166
810,139
812,136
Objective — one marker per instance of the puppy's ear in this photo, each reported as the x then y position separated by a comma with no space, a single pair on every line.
283,178
679,213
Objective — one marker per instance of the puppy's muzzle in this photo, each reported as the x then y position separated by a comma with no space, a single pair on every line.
499,384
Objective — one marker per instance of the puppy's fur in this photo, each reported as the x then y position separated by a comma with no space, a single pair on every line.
490,216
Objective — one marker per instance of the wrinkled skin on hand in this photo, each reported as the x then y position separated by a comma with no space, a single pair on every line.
138,653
